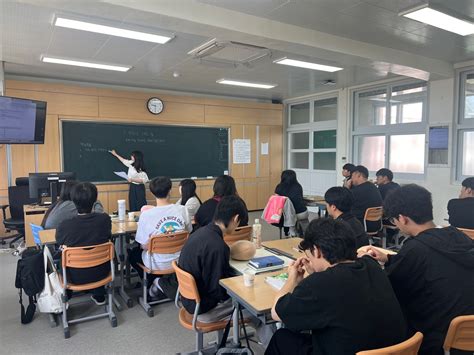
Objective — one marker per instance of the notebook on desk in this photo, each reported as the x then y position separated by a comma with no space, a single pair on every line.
266,262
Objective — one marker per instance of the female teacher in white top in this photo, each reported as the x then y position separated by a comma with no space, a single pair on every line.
137,177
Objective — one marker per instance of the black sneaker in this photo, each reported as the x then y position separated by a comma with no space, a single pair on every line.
98,300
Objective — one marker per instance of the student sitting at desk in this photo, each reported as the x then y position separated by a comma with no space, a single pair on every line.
365,195
347,170
63,208
189,198
347,303
339,202
84,229
291,188
166,217
461,210
384,182
223,186
432,275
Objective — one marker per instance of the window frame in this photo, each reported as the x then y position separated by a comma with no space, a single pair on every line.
388,129
311,127
460,122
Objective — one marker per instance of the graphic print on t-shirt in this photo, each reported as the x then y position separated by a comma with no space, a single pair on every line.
169,224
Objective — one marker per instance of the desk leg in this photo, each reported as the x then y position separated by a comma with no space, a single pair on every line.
235,325
122,258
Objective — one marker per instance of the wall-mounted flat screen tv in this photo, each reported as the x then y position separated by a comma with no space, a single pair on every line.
22,121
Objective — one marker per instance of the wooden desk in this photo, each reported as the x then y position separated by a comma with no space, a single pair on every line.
32,214
287,246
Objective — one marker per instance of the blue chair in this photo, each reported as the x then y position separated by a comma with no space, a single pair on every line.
35,229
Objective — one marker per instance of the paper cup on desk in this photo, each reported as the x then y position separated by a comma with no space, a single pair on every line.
131,216
249,277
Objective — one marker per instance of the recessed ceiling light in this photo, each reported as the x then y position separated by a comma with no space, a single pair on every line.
307,65
80,63
111,31
426,14
245,83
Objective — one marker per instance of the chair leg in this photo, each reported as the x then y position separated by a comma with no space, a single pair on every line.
144,299
199,341
64,300
110,305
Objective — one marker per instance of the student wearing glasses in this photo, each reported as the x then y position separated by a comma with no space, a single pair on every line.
433,273
340,301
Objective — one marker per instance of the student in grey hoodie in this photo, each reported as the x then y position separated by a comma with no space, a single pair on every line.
64,209
433,274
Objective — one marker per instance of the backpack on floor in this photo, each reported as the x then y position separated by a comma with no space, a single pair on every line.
29,279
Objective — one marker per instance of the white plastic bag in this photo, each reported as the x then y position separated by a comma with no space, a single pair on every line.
49,300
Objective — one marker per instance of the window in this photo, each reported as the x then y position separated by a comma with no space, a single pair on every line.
389,128
312,135
465,126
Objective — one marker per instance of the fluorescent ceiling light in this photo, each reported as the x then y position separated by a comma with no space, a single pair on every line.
440,19
307,65
111,31
244,83
80,63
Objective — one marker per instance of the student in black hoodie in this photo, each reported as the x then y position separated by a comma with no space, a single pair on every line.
461,210
433,274
339,202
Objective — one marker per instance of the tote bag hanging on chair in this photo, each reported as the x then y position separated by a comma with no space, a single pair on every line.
49,300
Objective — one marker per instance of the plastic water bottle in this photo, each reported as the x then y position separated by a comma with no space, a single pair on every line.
257,233
121,210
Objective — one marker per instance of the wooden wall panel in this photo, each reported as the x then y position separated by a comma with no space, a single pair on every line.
133,109
62,104
251,197
264,165
3,167
49,152
23,160
264,191
276,151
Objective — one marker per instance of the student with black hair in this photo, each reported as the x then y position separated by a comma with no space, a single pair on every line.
86,229
137,177
339,203
461,210
347,170
63,208
339,301
365,195
291,188
206,256
384,182
433,273
166,217
189,197
223,186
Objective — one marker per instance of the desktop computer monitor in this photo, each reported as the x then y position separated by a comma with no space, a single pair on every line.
44,185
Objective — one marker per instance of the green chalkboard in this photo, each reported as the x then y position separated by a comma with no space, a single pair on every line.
174,151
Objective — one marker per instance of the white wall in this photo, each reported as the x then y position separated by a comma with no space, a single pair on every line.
438,180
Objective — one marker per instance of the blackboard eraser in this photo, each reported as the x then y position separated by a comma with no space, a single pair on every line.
194,177
209,177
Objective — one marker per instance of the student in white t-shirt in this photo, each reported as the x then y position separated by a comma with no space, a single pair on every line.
137,177
166,217
189,197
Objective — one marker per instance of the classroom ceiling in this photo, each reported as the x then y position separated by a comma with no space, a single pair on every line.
365,37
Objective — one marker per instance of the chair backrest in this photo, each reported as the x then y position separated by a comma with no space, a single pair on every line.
167,243
35,229
241,233
17,197
373,214
408,347
468,232
186,284
460,334
87,256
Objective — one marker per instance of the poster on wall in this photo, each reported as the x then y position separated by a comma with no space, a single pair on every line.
241,151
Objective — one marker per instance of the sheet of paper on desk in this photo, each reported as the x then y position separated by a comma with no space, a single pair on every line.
277,281
121,174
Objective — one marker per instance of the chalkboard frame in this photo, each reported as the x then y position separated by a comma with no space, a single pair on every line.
112,122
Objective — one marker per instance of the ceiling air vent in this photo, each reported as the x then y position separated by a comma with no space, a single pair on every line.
230,53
